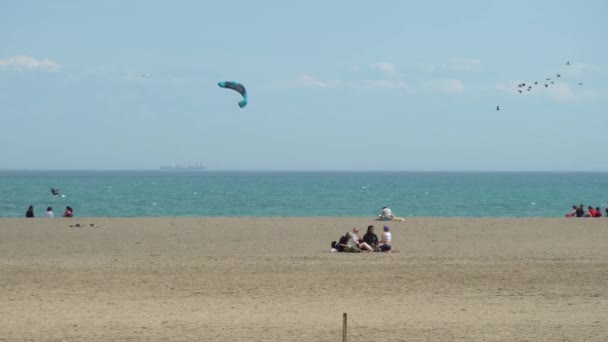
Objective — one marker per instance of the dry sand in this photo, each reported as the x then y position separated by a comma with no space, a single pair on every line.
273,279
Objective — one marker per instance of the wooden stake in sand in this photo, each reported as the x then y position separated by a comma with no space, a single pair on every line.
344,328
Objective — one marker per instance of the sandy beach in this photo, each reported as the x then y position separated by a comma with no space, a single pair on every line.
274,279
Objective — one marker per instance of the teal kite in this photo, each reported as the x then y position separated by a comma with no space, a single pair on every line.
238,88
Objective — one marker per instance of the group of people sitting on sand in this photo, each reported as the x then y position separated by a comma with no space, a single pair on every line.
352,242
579,211
49,212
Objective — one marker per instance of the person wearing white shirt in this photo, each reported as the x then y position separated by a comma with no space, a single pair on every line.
386,214
387,238
49,212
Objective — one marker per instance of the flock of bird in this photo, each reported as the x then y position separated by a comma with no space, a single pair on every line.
526,87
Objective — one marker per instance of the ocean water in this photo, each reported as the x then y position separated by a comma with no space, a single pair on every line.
288,194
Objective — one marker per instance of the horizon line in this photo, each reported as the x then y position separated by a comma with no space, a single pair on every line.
294,170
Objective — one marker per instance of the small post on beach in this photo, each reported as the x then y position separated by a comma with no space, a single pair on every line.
344,328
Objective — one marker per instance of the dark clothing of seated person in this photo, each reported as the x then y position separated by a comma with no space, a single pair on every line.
580,212
371,238
343,244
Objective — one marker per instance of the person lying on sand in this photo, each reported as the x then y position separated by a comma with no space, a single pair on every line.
78,225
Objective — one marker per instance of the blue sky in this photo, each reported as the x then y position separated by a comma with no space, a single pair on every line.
340,85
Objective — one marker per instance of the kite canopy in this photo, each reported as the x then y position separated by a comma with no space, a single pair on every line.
238,88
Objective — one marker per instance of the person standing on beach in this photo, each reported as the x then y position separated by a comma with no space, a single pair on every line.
49,212
30,211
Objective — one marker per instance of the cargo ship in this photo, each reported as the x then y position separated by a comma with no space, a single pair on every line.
184,167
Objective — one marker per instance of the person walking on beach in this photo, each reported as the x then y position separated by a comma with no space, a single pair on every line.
49,212
30,212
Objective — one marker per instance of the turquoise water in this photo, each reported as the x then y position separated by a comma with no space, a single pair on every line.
158,193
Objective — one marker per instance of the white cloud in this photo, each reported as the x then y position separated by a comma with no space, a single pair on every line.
309,81
561,91
580,69
453,85
509,87
388,84
306,80
444,85
426,67
385,67
21,63
463,64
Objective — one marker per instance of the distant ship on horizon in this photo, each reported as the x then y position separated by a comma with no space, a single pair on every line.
184,167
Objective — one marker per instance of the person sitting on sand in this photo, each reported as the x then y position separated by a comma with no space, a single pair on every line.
30,212
580,211
386,214
68,212
590,212
370,237
49,212
360,243
346,244
573,212
385,243
598,212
